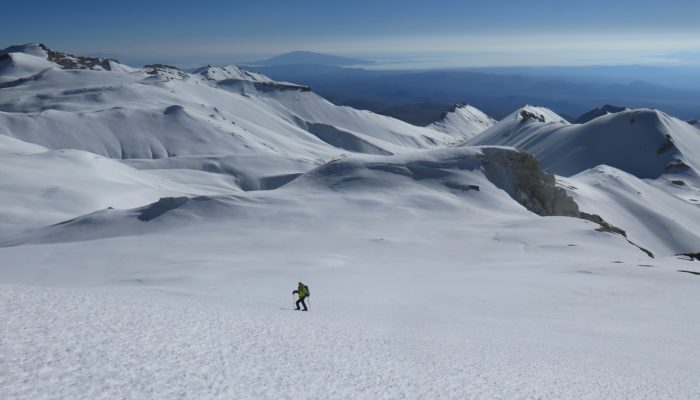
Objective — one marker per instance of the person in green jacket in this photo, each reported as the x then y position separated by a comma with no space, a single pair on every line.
303,292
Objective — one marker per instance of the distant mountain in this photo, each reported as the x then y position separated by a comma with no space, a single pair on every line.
201,120
599,112
637,169
646,143
311,58
463,121
494,92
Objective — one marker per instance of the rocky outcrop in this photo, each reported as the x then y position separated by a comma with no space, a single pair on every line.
166,72
521,176
665,146
691,256
527,116
70,61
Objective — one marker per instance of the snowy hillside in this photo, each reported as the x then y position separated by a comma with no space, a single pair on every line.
638,169
428,280
154,222
646,143
463,121
659,215
42,187
159,111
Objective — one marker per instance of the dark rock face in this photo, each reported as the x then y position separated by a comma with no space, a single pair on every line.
593,114
161,67
527,115
521,176
691,256
678,182
166,72
665,146
69,61
676,165
604,226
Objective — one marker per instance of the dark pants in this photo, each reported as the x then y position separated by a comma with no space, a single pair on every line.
301,300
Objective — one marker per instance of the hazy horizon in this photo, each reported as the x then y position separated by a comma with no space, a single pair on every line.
440,34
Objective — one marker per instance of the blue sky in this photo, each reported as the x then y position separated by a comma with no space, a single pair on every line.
494,32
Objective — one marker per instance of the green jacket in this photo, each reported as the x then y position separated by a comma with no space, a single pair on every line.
303,291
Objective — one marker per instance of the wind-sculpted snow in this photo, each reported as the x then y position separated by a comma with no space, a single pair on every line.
457,171
42,187
488,179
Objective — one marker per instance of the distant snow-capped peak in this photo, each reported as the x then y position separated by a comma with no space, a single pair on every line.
218,73
536,114
463,121
223,74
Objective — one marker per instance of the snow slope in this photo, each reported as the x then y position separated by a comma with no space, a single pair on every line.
18,65
638,169
463,121
420,289
42,187
657,215
446,179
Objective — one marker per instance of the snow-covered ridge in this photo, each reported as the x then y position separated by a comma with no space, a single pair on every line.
463,121
160,111
514,125
485,178
530,113
647,143
638,169
63,60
